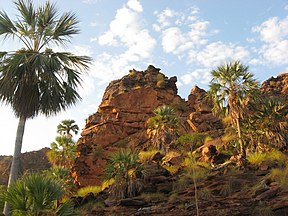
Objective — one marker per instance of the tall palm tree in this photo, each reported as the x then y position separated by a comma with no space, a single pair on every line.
66,126
162,127
35,79
231,88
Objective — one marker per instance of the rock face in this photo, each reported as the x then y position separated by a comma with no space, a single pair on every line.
120,120
276,86
200,116
30,162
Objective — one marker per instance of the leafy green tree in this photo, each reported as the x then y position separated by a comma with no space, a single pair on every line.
35,79
231,88
126,172
63,152
190,142
36,195
162,128
67,126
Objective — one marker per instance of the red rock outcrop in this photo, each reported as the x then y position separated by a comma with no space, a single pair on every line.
120,120
34,161
276,86
200,117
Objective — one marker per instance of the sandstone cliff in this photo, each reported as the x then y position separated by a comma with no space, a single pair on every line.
276,86
120,120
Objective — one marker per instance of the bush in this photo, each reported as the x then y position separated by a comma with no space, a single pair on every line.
190,142
126,172
146,156
280,176
273,158
36,194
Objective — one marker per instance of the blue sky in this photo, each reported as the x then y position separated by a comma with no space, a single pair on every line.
182,37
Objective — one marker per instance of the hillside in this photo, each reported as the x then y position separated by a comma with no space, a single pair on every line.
168,183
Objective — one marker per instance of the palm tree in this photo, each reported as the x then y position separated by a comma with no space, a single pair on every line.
231,89
35,79
162,127
271,122
36,195
66,126
63,152
126,172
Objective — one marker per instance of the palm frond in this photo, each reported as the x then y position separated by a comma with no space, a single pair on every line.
7,28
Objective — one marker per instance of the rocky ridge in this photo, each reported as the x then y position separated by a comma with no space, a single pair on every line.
33,161
120,121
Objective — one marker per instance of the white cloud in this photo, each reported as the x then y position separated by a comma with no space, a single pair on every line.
274,35
286,7
171,39
164,16
107,67
199,75
135,5
210,57
276,53
127,32
216,53
106,39
272,30
181,31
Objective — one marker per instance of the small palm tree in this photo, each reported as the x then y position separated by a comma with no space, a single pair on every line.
270,120
126,172
67,126
231,88
36,195
63,175
162,128
63,152
35,79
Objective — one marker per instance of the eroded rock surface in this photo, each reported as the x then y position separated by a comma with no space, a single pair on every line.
120,120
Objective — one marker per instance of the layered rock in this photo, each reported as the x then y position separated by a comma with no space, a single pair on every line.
200,117
120,120
276,86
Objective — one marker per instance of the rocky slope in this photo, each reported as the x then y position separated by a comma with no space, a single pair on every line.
33,161
276,86
121,118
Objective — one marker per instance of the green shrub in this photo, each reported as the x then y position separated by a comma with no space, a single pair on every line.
190,142
273,158
37,194
146,156
280,175
256,158
126,172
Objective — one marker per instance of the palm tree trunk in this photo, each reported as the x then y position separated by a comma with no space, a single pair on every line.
16,160
242,148
195,192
